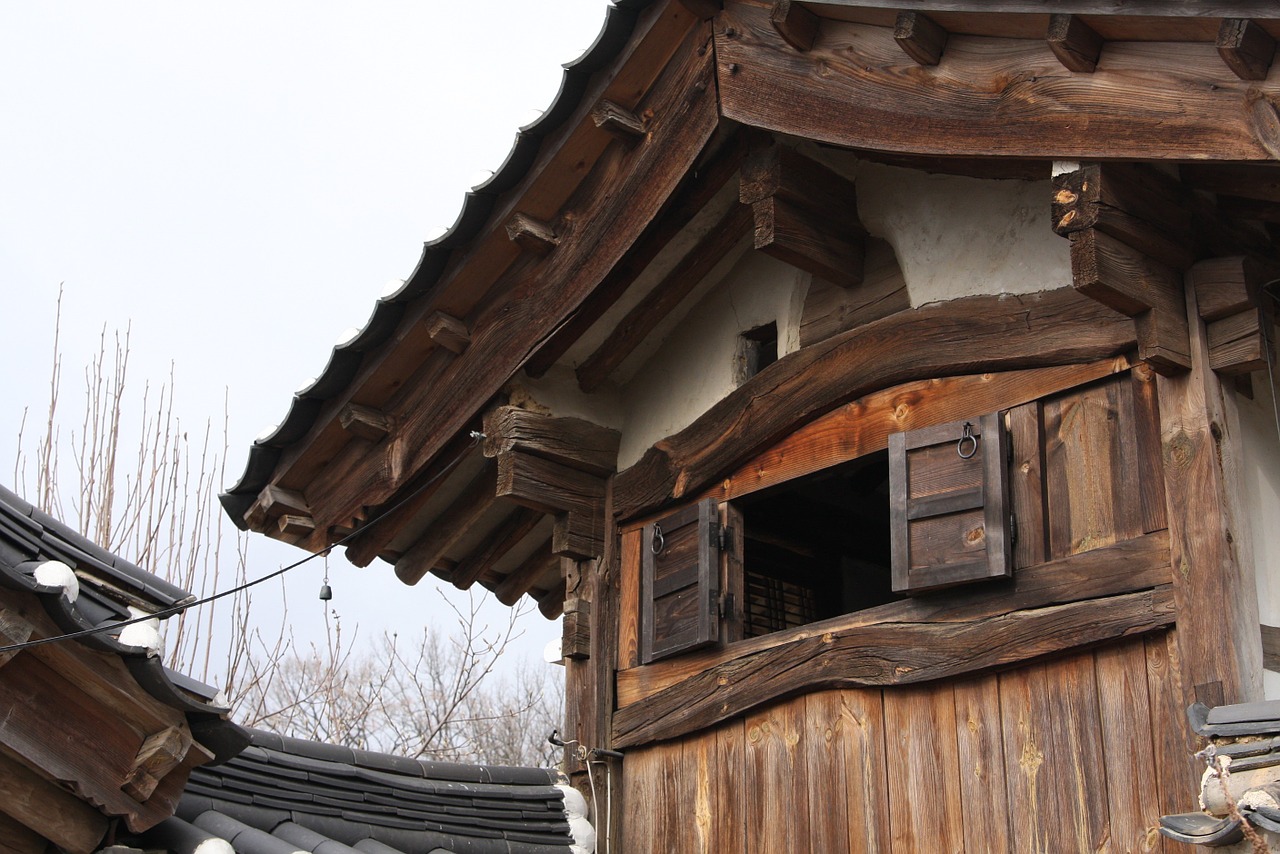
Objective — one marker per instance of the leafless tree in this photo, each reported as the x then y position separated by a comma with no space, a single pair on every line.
155,503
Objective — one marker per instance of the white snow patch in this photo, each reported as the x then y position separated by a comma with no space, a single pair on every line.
55,573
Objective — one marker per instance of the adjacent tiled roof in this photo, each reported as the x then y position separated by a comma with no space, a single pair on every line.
108,586
345,359
284,794
1249,734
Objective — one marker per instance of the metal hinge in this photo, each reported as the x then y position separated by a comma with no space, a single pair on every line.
721,535
725,607
1013,529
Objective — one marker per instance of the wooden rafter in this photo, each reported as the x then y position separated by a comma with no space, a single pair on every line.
510,532
796,24
449,527
1077,45
523,578
1181,106
920,37
1246,48
635,327
969,335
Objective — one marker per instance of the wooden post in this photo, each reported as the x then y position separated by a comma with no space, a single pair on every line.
1219,647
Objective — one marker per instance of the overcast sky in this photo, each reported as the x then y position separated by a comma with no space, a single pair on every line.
240,181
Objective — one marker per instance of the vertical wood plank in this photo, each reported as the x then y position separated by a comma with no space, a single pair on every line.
629,601
776,780
1026,484
700,758
826,764
866,775
645,816
683,780
1028,776
1127,743
1091,458
730,812
925,813
1177,776
1075,758
981,756
1146,411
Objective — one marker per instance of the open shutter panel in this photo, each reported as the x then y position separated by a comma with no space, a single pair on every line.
950,505
680,582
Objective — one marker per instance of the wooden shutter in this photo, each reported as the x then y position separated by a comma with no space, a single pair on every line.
680,582
950,515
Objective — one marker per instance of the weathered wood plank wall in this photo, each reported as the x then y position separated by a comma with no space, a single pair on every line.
1068,754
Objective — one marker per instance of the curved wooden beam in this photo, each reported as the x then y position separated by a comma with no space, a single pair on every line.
964,336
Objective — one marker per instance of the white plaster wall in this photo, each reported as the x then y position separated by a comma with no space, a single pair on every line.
694,366
957,236
1260,468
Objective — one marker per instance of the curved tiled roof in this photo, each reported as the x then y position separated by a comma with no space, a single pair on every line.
108,587
285,794
345,358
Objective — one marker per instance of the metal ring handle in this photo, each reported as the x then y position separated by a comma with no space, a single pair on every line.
967,436
659,542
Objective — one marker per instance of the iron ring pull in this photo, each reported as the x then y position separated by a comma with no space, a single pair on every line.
659,543
967,436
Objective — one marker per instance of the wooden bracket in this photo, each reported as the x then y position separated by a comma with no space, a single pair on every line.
272,502
1246,48
804,214
365,422
1074,42
532,234
14,629
576,443
448,332
797,25
920,37
1229,302
292,525
575,642
575,498
618,121
160,753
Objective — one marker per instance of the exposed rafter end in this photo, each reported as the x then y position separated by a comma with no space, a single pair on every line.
532,234
448,332
273,502
1229,301
920,37
296,526
1246,48
365,422
526,576
1076,45
797,25
618,121
448,527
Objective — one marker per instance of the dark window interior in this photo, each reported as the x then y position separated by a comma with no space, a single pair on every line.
817,547
759,349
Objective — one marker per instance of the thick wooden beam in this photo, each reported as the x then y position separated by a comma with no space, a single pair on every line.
1210,547
523,578
1271,648
1125,567
449,332
849,91
575,498
1246,48
534,235
920,37
796,24
695,193
449,527
379,530
38,803
613,207
1131,283
573,442
366,422
1074,42
635,327
618,121
160,753
804,213
895,654
969,335
509,534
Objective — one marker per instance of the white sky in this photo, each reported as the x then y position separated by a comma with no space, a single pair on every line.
240,180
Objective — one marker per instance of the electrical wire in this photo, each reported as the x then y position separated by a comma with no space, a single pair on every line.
165,613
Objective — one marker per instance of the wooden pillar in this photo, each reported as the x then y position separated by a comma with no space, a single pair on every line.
1219,648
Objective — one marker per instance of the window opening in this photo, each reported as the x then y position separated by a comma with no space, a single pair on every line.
817,547
758,350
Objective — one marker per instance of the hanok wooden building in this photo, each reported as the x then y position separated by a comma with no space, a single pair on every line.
882,391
